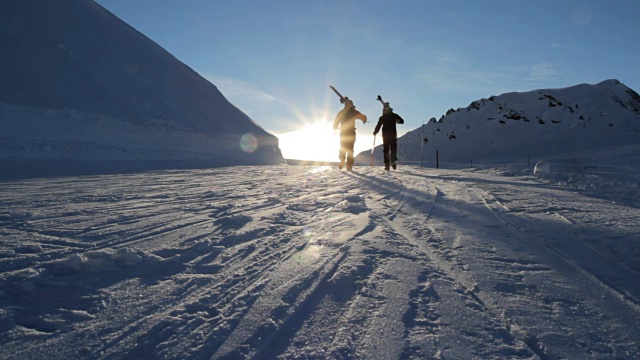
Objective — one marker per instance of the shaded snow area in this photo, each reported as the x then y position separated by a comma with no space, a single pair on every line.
281,262
82,91
45,141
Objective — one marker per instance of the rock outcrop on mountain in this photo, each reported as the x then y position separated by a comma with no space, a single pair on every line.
581,121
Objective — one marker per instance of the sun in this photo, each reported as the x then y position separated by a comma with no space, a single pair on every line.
317,141
312,137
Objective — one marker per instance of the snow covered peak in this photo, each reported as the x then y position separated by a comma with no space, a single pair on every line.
83,84
612,83
579,122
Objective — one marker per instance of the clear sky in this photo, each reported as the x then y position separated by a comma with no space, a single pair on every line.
275,59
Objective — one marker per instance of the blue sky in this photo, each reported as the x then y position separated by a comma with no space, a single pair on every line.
275,59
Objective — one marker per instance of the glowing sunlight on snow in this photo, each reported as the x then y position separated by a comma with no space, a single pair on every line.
318,142
315,141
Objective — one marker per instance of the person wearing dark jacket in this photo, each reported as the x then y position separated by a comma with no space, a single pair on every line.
346,122
388,122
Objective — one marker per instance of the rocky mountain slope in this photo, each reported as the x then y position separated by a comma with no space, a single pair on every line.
588,122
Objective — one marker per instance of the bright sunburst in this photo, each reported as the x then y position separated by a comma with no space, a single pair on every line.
315,141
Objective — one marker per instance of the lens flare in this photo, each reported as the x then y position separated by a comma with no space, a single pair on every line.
307,232
248,143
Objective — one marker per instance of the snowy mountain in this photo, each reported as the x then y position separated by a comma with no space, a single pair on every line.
582,123
79,85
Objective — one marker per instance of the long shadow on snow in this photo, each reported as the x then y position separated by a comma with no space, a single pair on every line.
551,238
557,238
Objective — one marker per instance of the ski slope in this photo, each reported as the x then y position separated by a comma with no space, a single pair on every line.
314,263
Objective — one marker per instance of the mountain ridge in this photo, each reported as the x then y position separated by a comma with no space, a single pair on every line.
75,64
536,124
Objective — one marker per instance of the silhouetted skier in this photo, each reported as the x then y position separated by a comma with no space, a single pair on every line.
346,122
388,122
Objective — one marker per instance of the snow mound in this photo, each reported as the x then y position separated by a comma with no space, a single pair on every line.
100,261
353,204
542,167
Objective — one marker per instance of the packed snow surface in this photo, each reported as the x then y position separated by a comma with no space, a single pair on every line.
314,263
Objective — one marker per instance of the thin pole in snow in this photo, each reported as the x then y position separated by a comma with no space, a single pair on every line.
372,147
422,148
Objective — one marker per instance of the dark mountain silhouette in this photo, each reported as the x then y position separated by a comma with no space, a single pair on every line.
71,67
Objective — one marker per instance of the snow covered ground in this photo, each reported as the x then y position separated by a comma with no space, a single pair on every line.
314,263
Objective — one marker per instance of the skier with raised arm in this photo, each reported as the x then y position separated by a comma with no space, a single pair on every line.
346,122
388,122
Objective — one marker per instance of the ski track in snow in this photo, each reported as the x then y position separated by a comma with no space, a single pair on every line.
315,263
